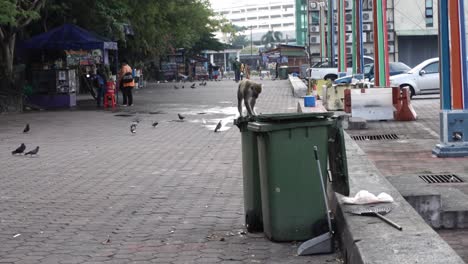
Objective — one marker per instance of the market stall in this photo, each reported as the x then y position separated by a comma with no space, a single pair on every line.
60,60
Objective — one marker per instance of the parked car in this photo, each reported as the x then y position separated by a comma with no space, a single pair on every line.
422,79
395,68
324,71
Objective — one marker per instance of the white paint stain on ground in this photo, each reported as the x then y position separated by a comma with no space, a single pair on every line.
210,124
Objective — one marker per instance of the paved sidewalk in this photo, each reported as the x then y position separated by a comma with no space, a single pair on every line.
98,194
411,154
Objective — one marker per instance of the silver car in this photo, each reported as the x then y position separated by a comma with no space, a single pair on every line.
422,79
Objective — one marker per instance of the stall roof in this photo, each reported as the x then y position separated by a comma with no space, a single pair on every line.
69,37
287,50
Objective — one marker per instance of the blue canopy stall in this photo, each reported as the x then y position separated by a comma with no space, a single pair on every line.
55,84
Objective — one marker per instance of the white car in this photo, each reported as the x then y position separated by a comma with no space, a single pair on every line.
323,71
422,79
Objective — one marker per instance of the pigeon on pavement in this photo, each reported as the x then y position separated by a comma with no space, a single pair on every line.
176,87
32,152
26,129
181,117
19,150
133,128
218,126
192,86
155,124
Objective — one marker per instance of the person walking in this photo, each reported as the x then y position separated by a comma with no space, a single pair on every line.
126,83
210,71
242,71
236,68
100,84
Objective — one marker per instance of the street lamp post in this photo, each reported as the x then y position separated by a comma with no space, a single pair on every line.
251,41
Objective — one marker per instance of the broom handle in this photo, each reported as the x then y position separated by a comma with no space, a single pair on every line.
324,192
390,222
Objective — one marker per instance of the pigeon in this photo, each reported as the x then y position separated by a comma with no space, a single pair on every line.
192,86
26,129
218,126
155,124
133,128
183,87
181,117
19,150
32,152
176,87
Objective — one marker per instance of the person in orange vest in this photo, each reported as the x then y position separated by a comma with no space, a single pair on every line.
242,71
126,83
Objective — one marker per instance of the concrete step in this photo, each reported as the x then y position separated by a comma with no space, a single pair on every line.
440,205
454,211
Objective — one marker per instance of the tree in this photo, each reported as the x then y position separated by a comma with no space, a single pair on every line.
240,41
14,16
270,38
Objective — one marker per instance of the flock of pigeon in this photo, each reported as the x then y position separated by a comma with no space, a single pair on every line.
133,126
193,86
22,147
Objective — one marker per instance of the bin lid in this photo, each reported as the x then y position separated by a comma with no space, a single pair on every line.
337,159
264,127
242,122
292,117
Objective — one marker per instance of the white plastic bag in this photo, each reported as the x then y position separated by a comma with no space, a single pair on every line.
365,197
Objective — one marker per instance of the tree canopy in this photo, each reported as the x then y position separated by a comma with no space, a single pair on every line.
144,29
159,27
270,38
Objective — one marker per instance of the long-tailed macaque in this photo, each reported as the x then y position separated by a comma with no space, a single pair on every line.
248,91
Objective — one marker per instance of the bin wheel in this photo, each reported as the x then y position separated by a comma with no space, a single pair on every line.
252,223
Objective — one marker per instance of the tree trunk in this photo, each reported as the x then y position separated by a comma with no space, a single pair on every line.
8,51
11,97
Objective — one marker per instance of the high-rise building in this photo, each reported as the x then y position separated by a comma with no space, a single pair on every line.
412,29
259,17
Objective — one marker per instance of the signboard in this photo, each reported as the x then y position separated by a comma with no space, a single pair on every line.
83,57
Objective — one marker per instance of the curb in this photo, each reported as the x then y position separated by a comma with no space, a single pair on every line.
370,240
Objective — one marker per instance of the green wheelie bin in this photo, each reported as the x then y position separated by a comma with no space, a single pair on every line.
292,201
283,72
251,177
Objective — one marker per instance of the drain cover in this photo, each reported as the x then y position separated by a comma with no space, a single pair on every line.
441,178
375,137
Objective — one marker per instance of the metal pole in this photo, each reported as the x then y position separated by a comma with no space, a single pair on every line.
331,33
251,42
341,38
381,66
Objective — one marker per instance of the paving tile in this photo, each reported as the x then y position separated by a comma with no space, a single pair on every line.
156,195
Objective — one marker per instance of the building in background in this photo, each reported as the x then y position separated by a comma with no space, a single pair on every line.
412,29
416,29
368,34
301,23
260,17
257,18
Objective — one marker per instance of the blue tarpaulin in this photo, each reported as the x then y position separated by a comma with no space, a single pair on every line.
69,37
